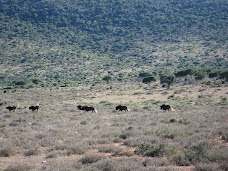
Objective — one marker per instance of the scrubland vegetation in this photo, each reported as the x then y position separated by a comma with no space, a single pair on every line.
194,136
103,53
69,42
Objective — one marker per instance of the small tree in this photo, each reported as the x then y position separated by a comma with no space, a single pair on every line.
200,75
224,74
185,72
168,79
107,78
144,74
213,74
20,83
35,81
149,79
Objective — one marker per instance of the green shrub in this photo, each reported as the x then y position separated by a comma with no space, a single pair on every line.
213,74
32,151
90,158
20,83
35,81
224,74
195,154
75,149
207,167
7,152
126,135
110,149
149,79
155,150
105,103
83,122
200,75
173,120
167,134
19,167
144,74
184,121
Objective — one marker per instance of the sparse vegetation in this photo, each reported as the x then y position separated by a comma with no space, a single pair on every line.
194,135
65,53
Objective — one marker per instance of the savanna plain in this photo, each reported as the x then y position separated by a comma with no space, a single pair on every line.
61,137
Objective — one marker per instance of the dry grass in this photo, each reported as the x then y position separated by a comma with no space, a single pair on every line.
69,139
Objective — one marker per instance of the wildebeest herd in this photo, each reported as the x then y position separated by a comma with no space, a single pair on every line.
90,108
13,108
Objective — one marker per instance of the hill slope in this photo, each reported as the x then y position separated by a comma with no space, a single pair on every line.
68,41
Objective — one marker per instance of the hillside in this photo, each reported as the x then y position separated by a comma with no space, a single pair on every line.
66,42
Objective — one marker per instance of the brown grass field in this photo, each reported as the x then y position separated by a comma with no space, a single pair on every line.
60,137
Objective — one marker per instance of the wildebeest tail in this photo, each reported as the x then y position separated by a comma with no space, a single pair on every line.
172,109
128,110
95,110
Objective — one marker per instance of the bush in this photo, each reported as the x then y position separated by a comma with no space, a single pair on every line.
32,151
224,165
19,167
167,134
213,74
20,83
200,75
185,72
149,79
173,120
196,153
224,75
126,135
110,149
90,158
76,149
144,74
35,81
154,150
7,152
207,167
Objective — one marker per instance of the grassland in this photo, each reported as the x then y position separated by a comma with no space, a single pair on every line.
60,137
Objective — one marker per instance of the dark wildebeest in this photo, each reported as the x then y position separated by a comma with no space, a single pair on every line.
121,108
87,108
11,108
33,108
166,107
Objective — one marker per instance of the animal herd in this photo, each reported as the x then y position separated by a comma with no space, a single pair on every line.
33,108
90,108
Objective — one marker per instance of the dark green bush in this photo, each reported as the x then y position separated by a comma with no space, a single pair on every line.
213,74
144,74
200,75
149,79
35,81
195,154
167,134
20,83
224,74
155,150
90,158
